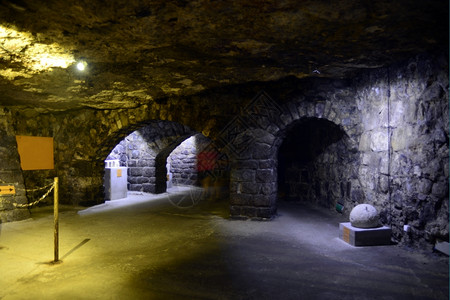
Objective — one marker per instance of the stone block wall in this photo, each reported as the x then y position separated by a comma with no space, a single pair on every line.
183,162
119,153
253,181
140,161
10,172
253,190
84,138
404,149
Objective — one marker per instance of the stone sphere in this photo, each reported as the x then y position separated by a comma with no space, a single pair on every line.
364,216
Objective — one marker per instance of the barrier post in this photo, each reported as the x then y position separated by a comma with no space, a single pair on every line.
56,220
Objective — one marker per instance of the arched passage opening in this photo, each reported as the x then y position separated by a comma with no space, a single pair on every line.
155,157
141,158
314,164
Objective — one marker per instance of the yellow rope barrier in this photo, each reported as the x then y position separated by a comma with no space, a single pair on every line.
37,201
36,189
28,190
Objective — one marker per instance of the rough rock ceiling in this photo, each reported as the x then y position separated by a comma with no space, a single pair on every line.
139,51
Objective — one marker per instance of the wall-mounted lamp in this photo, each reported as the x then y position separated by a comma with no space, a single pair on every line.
81,65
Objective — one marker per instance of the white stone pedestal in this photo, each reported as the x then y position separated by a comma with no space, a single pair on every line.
365,236
116,183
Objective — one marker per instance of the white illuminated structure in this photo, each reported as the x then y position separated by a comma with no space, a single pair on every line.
81,66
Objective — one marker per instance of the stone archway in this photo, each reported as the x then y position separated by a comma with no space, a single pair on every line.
81,168
254,180
315,165
144,153
161,162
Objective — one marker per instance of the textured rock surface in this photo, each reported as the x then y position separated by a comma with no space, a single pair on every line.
364,216
10,172
183,162
141,52
370,70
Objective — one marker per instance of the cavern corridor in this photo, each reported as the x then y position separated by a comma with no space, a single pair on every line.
224,149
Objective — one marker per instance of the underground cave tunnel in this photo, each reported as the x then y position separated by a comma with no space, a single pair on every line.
312,102
311,163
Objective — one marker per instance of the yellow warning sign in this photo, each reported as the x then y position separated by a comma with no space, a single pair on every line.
119,172
346,234
7,190
36,153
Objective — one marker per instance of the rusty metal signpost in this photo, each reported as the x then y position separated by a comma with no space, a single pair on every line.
36,153
56,220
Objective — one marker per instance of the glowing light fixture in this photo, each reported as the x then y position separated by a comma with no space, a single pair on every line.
81,66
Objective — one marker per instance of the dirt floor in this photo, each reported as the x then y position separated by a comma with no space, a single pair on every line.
165,247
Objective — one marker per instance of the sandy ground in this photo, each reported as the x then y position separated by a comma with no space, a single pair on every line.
176,246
